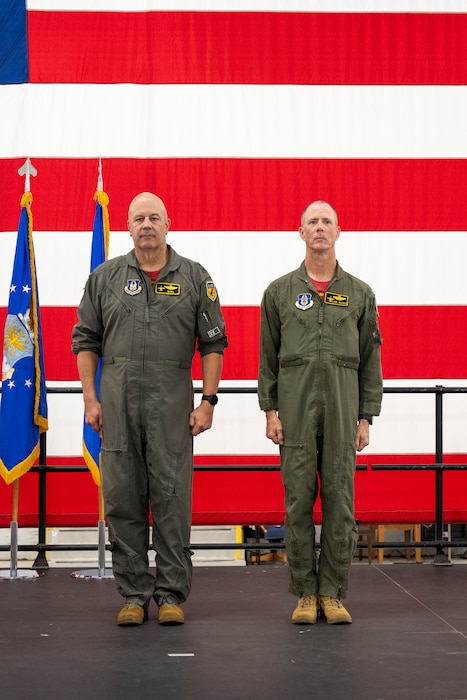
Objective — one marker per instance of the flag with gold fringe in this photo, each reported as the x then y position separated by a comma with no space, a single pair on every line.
99,253
23,408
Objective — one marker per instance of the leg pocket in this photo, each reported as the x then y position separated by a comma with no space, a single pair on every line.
113,395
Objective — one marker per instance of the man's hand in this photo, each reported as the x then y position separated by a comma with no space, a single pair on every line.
362,437
93,414
201,418
274,428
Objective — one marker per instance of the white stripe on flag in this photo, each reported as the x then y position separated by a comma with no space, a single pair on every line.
444,6
254,121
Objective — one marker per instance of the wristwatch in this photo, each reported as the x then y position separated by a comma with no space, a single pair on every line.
210,398
367,416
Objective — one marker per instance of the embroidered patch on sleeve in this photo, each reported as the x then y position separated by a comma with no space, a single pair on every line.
211,290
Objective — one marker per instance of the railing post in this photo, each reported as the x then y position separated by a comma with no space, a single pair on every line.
440,558
40,562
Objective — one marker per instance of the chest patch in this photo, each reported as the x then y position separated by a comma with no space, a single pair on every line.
336,299
170,288
133,287
304,301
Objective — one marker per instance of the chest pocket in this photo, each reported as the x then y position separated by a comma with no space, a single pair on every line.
345,335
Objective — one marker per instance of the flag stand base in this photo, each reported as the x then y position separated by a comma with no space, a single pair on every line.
93,573
18,574
101,572
13,573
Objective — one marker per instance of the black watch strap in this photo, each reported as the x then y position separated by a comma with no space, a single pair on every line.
210,398
367,416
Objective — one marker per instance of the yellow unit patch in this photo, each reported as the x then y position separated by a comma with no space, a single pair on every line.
336,299
211,291
169,288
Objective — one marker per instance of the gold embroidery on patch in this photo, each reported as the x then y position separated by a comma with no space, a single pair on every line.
169,288
336,299
211,290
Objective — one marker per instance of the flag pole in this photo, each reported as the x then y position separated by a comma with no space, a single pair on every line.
101,534
101,572
14,532
26,169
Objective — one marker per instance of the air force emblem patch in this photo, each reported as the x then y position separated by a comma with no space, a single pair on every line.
304,301
133,287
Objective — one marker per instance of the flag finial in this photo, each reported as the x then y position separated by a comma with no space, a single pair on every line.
100,182
27,169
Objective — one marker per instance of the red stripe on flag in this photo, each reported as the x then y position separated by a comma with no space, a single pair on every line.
241,194
419,342
248,47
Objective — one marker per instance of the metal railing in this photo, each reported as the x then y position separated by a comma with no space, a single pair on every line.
440,542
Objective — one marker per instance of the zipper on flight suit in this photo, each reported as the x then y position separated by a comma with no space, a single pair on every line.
320,352
147,318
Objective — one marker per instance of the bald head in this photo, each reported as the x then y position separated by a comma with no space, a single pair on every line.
148,225
147,201
319,202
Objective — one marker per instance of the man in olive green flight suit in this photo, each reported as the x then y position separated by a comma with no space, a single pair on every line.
145,314
320,385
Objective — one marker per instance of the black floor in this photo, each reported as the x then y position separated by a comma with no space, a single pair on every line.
59,639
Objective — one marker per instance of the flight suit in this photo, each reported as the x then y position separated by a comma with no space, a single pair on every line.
147,336
320,368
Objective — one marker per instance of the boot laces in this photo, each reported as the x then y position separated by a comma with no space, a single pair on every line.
306,601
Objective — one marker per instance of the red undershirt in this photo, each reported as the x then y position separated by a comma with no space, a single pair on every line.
320,287
154,274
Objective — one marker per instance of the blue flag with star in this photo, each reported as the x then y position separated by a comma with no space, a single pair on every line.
23,407
99,253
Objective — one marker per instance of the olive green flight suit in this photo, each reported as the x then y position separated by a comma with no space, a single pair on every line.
147,336
319,368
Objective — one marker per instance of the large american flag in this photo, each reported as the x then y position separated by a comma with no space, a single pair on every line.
238,114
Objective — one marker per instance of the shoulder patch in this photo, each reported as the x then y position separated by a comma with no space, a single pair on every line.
211,290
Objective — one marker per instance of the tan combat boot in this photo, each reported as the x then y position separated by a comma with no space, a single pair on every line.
334,611
132,614
171,614
306,612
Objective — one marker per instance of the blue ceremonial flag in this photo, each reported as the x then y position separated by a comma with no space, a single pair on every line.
99,253
23,407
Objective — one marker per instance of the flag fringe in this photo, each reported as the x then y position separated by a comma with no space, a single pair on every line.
20,469
91,464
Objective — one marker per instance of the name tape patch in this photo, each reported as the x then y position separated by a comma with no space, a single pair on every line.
336,299
172,289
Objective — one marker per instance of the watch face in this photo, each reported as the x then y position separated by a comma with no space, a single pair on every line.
211,398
